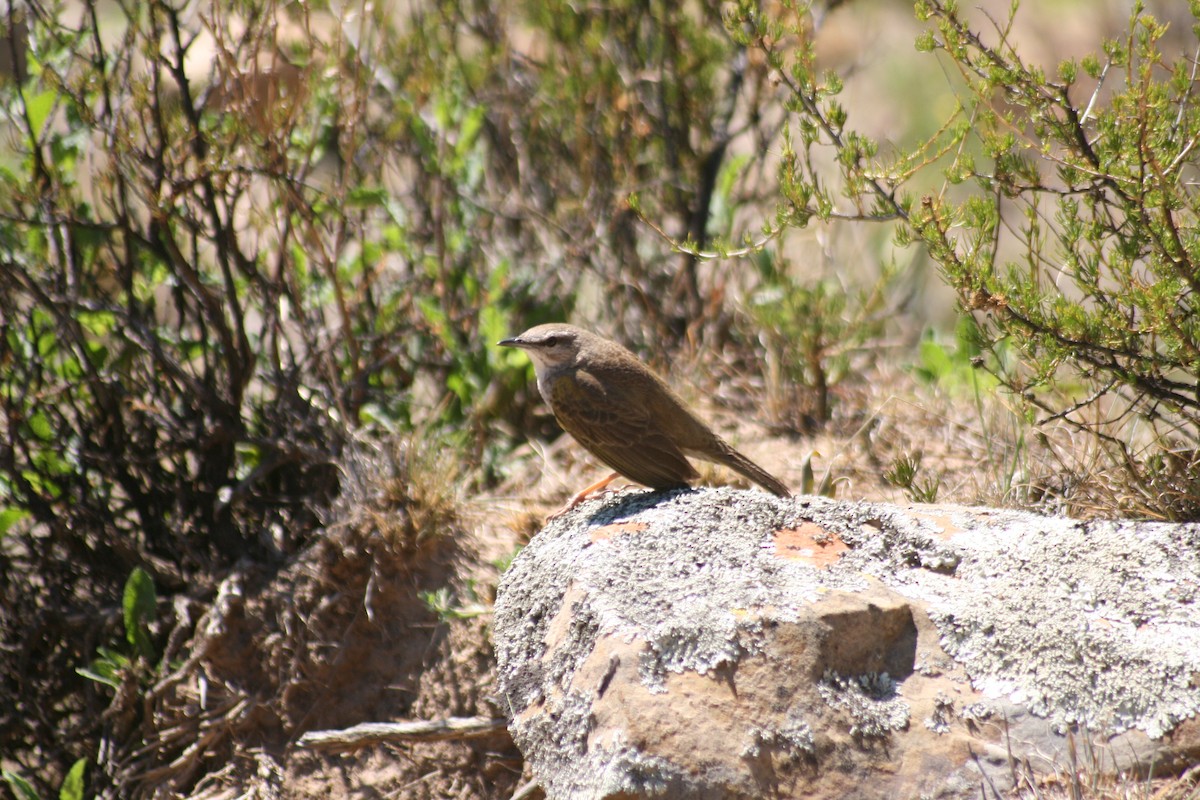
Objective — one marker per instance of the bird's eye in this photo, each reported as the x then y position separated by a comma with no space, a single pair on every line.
551,341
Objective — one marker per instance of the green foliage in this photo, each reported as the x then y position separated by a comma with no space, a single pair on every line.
808,479
954,366
502,563
111,667
138,605
959,368
1085,254
1075,250
903,474
815,334
221,267
72,786
108,668
10,517
21,788
448,608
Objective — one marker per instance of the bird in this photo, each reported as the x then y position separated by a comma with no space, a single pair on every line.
624,414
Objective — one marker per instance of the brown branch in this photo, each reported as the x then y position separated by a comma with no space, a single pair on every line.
813,109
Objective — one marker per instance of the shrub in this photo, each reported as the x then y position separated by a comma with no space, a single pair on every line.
1065,223
235,236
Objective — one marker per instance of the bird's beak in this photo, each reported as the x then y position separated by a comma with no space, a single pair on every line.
516,341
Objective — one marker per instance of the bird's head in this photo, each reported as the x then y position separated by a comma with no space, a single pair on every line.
550,346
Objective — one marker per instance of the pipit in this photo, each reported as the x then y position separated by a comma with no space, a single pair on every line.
624,413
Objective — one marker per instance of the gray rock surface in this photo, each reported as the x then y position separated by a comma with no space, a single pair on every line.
722,643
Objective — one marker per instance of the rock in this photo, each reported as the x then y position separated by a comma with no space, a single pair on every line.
720,643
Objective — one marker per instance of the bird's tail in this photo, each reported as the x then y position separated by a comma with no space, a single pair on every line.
747,468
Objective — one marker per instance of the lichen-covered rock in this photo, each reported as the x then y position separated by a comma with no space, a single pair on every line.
717,643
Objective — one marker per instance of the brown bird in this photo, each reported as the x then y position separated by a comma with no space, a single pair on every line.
624,413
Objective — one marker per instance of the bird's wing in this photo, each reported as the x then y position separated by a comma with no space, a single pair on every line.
617,428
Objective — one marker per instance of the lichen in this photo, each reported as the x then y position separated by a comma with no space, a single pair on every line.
794,737
871,701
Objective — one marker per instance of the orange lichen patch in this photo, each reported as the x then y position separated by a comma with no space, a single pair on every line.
944,526
616,529
560,624
809,542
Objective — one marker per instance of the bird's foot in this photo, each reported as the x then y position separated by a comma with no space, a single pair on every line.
587,494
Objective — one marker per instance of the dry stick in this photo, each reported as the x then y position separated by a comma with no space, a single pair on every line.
525,791
370,733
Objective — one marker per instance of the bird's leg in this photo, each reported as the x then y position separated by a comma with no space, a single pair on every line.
584,495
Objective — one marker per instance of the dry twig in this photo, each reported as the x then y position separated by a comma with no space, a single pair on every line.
370,733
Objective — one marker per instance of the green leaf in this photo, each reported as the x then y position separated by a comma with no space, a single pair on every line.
106,669
97,353
47,343
38,108
935,361
494,325
40,483
437,320
366,197
21,788
459,386
139,606
468,132
72,787
729,175
11,516
97,676
101,323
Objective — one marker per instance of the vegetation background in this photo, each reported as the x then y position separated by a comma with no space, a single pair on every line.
260,462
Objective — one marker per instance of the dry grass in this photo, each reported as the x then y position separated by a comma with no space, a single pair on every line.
1088,774
406,488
